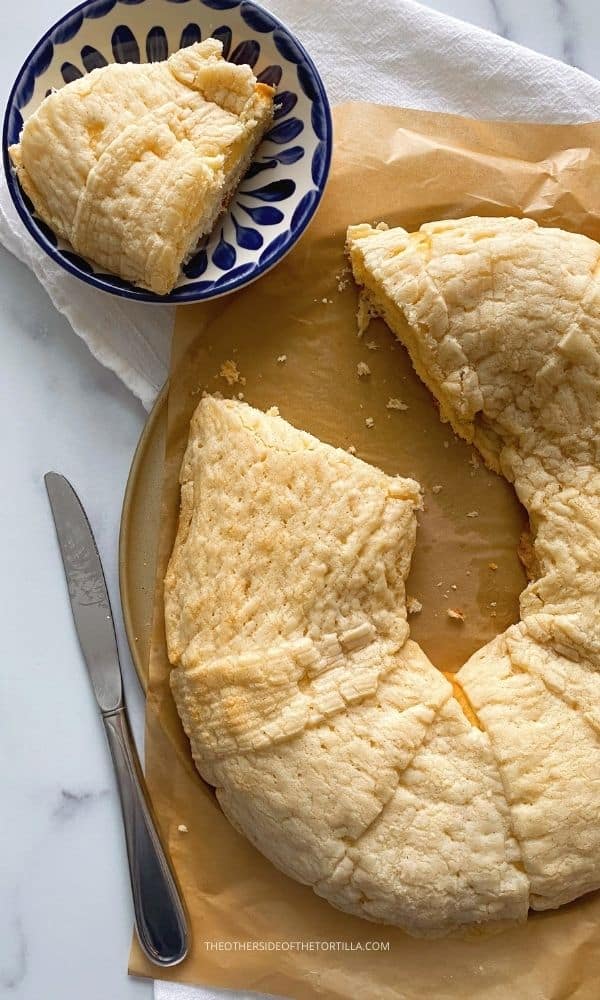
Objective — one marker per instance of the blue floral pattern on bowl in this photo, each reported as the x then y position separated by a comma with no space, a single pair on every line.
284,185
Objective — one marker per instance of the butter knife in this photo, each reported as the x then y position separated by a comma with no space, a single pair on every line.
159,915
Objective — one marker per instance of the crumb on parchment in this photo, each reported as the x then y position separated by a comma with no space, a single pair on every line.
281,360
273,411
231,373
473,513
371,345
182,828
343,278
437,488
369,422
362,369
395,404
363,314
455,614
413,606
493,566
351,449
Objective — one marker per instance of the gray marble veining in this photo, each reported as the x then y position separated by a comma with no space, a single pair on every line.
71,803
501,23
13,962
569,34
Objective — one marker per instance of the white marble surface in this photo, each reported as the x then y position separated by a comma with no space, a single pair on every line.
65,913
563,29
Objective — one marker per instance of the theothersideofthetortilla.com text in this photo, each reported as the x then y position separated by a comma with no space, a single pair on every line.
291,945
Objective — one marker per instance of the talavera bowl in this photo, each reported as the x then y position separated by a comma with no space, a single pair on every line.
283,187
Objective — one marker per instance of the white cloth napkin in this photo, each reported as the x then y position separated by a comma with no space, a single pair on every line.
387,51
131,338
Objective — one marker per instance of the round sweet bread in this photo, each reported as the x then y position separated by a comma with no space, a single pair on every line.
333,743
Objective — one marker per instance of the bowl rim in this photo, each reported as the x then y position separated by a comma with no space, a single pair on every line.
177,296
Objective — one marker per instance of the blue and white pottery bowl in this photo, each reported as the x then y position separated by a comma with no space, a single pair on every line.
283,187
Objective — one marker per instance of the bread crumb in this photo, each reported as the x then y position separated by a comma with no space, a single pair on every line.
474,461
493,604
440,584
382,227
362,369
455,614
343,279
230,372
351,450
473,513
240,395
413,606
281,360
327,302
493,566
371,345
437,489
182,828
453,586
492,614
395,404
369,422
273,411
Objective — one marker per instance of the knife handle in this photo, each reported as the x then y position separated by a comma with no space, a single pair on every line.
159,915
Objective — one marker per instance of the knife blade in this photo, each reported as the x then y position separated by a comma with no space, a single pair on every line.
87,591
159,915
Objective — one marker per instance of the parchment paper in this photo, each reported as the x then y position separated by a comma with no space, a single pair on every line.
403,167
